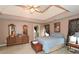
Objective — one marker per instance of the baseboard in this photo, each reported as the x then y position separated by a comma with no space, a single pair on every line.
2,45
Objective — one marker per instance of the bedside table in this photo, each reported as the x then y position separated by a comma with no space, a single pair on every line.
36,46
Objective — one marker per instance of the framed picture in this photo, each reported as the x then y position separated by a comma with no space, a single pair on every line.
57,27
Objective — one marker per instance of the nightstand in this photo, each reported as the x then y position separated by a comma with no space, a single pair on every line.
36,46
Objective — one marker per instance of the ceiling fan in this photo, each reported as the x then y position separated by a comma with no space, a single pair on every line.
31,8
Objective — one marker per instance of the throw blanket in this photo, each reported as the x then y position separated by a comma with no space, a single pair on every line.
50,42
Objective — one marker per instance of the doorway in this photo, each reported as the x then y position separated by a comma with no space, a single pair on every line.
36,31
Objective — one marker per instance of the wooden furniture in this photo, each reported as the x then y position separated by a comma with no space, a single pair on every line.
20,38
37,47
23,39
74,48
11,29
73,45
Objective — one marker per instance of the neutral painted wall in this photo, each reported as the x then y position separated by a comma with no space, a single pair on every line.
4,27
42,30
63,25
19,25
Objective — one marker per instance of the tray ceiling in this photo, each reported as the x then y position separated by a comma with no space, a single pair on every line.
46,11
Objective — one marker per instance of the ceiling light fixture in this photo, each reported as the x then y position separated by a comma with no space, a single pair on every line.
31,8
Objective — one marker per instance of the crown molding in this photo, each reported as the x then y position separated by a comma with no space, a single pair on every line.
19,18
69,17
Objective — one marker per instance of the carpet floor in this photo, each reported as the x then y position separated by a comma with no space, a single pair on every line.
26,49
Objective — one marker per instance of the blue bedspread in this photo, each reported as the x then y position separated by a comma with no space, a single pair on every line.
50,42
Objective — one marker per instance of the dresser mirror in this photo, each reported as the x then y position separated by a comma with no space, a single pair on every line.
11,30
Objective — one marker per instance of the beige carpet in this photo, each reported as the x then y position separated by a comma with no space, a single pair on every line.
26,49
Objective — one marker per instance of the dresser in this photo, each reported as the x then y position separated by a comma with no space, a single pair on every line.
22,39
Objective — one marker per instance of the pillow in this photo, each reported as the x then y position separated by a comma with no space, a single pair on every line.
78,40
35,42
72,39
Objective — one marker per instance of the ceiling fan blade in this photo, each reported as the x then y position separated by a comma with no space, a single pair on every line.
30,7
37,10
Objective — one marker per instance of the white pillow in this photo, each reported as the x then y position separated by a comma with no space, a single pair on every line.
78,40
72,39
35,42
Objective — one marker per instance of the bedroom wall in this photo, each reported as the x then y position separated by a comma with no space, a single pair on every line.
19,24
4,29
63,25
42,30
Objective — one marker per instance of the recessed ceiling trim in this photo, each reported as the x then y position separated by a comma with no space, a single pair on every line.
61,8
22,6
56,15
21,18
46,9
69,17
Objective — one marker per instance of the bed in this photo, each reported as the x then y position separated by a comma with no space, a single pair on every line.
53,42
